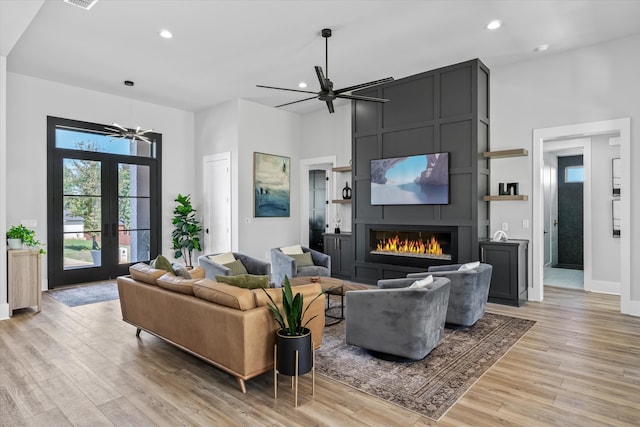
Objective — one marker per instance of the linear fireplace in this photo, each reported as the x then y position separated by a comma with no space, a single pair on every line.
411,245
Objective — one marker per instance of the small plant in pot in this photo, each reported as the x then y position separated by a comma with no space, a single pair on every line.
293,333
19,235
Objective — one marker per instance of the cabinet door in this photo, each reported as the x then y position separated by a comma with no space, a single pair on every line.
345,256
504,274
331,249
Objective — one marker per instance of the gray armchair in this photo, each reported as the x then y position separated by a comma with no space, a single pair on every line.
251,264
282,264
398,320
469,291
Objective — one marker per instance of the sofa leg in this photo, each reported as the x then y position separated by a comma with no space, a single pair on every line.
138,330
242,385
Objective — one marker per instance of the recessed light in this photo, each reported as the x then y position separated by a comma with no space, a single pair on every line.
166,34
494,25
302,85
542,48
128,83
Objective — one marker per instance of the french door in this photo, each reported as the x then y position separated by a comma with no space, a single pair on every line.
103,213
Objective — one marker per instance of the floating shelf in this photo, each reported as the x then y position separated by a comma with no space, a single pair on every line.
341,169
518,152
499,198
341,201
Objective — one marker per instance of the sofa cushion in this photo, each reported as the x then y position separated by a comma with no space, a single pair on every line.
145,273
313,270
422,283
162,263
303,260
236,267
469,266
176,283
224,258
197,273
247,281
309,292
292,250
223,294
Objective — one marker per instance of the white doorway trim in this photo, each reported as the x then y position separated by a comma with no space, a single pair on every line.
305,166
623,126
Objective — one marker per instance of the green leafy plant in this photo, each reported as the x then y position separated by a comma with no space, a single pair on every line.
26,236
186,235
291,320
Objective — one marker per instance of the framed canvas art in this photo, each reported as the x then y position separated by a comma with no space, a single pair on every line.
271,189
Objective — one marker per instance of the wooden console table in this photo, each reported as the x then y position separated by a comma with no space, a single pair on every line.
24,279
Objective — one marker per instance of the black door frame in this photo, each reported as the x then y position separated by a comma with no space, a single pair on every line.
110,266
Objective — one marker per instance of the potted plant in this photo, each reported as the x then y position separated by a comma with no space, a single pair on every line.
186,235
293,334
19,235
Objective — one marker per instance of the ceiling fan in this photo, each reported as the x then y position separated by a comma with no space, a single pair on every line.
118,131
327,93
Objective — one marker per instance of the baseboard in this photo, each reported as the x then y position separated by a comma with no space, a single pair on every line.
602,287
4,311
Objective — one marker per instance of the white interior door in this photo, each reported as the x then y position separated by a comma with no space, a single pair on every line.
217,203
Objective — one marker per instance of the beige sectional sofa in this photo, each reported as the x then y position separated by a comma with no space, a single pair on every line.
226,326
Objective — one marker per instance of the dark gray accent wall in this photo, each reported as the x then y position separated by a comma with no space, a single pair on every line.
444,110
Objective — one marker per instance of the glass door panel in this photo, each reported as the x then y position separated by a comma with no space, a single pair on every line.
82,213
134,213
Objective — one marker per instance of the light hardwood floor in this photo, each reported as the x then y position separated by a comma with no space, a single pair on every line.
579,365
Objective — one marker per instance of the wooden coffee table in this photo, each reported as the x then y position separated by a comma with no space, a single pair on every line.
330,286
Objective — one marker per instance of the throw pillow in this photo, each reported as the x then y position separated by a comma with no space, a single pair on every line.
303,260
236,267
469,266
197,273
247,281
292,250
224,258
422,283
162,263
180,270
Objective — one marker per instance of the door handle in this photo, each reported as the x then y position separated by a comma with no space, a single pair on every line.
206,230
555,222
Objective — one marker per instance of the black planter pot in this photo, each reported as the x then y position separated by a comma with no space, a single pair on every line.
286,353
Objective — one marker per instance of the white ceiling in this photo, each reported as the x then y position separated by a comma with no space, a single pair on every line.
222,49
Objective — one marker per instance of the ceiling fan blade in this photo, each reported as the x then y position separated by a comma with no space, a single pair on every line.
119,127
362,98
295,102
282,88
321,78
142,138
364,85
330,106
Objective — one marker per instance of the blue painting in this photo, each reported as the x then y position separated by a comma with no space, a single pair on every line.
271,190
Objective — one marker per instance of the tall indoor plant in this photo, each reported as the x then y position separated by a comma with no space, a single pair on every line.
186,234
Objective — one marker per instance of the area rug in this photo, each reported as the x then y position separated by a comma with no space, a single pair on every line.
89,294
431,386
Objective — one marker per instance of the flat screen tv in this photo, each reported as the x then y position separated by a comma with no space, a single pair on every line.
412,180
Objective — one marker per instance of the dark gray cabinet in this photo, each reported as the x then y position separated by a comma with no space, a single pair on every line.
509,276
338,247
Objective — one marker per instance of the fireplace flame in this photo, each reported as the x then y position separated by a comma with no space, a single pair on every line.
394,244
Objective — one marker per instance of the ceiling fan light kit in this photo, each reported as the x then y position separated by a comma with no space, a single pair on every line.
120,132
327,93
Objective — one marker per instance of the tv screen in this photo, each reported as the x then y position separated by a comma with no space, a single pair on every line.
412,180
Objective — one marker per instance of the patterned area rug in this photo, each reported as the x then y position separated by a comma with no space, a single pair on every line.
89,294
432,385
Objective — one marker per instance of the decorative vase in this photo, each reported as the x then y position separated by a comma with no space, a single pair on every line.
346,191
286,352
14,243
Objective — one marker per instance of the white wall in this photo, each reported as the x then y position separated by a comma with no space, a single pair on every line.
606,248
587,85
216,131
4,302
325,134
31,100
242,128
